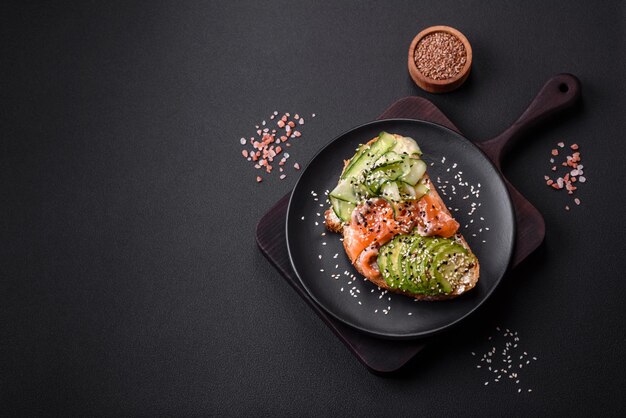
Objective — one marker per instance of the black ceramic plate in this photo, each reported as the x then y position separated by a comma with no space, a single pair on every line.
468,183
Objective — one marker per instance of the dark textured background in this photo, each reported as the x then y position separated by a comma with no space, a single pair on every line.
130,280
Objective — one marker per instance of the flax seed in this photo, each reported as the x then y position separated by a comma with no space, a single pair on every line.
440,56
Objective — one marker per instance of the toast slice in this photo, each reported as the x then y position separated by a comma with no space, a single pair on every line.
365,261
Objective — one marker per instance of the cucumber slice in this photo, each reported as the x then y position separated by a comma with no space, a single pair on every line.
344,191
387,159
359,152
415,171
368,155
389,172
421,190
342,209
390,191
375,179
408,192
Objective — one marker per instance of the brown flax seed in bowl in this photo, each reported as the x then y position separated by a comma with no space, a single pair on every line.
440,56
439,59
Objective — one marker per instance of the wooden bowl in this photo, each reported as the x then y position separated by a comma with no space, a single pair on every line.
439,86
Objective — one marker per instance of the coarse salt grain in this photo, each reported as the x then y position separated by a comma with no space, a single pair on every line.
266,151
574,174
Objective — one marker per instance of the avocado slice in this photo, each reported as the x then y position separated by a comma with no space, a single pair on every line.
398,248
412,282
381,260
423,265
445,269
431,244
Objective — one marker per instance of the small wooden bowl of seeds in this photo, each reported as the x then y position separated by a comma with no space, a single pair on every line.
440,58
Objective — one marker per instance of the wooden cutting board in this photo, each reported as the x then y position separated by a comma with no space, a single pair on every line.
385,356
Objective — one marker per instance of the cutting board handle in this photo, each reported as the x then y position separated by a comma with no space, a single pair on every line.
559,92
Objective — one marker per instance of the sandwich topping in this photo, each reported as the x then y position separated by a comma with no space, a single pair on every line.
394,228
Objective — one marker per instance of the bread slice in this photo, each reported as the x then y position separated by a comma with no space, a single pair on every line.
469,280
